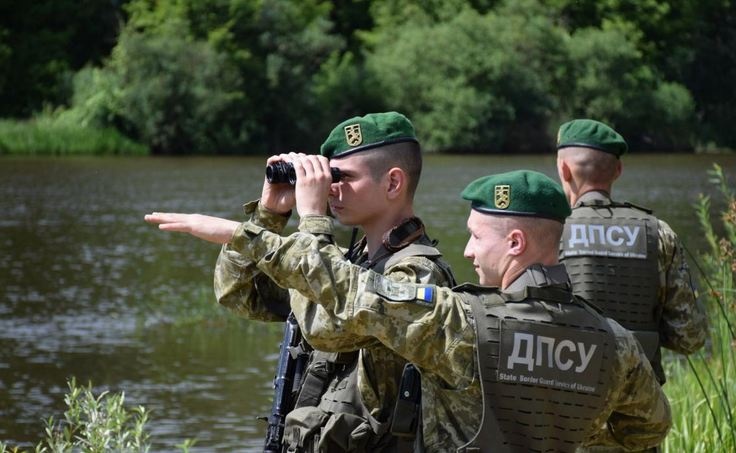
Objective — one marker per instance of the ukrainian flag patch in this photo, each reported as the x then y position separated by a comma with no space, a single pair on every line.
425,295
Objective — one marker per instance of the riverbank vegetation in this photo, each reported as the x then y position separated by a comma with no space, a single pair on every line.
701,389
96,423
232,76
44,136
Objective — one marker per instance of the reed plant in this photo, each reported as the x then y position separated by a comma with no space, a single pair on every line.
47,136
702,388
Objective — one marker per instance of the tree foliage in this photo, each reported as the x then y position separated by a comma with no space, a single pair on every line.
275,75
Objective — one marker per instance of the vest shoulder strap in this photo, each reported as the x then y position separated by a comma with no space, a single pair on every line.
412,249
613,204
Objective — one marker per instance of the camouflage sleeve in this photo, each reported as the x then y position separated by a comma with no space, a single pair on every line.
640,414
425,324
418,269
240,286
411,269
683,323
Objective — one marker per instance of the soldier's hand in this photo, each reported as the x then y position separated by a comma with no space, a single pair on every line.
313,181
278,198
212,229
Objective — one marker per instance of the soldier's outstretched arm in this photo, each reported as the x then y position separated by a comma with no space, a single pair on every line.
683,325
240,286
425,324
209,228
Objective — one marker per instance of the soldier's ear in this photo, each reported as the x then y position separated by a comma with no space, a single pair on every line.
563,170
396,182
517,242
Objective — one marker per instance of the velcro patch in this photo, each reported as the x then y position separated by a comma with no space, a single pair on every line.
251,229
401,292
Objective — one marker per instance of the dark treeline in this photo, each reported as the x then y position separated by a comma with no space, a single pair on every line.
265,76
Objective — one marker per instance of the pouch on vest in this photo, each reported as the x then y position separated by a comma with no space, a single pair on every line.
304,425
407,411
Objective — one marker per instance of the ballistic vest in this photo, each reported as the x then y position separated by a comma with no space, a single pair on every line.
543,360
330,383
610,250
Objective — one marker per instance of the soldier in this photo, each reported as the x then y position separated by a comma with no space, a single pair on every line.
522,363
348,398
619,256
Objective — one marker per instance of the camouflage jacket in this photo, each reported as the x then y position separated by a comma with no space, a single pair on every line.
437,334
241,287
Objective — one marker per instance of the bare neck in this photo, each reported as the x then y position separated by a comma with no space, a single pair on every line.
375,231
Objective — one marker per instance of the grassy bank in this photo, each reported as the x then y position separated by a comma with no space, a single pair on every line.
702,389
45,136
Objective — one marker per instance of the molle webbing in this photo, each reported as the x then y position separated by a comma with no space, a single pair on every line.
610,252
539,408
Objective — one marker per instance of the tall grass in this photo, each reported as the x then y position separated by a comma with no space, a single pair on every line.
702,389
48,136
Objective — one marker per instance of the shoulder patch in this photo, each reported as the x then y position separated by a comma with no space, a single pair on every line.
402,292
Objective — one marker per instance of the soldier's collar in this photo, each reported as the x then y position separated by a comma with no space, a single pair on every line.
537,275
594,197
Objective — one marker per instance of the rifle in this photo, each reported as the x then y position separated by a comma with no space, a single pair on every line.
288,377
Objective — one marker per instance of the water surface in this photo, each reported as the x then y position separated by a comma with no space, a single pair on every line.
87,289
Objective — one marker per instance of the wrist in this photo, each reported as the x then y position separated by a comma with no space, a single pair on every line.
274,211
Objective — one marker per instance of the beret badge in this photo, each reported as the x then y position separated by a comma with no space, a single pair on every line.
502,196
353,135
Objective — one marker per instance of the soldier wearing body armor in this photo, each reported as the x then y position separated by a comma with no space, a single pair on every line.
348,398
516,364
619,256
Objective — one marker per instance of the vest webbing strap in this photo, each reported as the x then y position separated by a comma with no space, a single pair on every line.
489,433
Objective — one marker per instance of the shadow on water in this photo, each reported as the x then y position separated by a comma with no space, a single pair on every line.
87,289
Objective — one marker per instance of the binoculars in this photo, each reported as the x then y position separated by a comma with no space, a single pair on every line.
283,172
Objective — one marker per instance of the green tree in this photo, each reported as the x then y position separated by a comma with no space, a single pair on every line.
477,81
175,94
613,83
43,42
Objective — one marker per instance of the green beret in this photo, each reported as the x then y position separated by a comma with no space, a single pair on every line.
366,132
520,192
591,134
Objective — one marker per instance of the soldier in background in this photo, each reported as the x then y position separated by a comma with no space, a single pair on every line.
347,401
619,256
524,364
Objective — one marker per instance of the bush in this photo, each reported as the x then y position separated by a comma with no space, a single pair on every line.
171,93
96,424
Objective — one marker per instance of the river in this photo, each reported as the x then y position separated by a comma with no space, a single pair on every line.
87,289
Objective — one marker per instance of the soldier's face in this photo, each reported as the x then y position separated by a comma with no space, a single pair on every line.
486,248
357,199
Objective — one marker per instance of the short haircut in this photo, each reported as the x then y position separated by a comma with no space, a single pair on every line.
544,233
405,155
591,165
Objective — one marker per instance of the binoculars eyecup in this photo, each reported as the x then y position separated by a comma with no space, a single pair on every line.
283,172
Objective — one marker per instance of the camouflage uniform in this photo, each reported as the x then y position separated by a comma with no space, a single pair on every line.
242,288
678,316
436,334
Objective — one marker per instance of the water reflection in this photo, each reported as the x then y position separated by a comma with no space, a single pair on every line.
87,289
